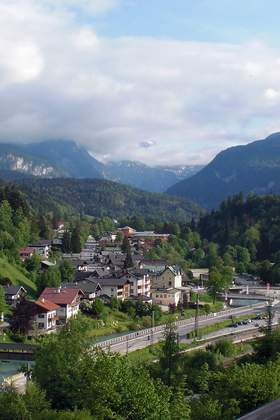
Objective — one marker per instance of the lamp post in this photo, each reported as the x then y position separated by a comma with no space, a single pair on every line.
153,325
196,317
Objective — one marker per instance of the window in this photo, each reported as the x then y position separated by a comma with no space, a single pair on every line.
41,316
170,283
41,325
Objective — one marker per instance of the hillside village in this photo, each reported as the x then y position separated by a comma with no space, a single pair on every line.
113,266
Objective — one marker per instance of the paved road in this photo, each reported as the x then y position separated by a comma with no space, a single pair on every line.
129,345
269,411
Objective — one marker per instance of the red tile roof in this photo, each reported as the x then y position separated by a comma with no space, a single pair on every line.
26,250
46,305
61,296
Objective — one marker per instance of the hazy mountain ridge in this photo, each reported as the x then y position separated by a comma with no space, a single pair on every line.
64,158
254,167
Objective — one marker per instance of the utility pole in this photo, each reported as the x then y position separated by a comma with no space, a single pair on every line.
153,325
127,345
270,316
196,318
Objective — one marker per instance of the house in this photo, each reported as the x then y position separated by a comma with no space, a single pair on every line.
68,300
127,231
170,277
14,294
90,287
42,248
26,252
115,287
166,297
139,280
45,317
200,274
45,265
30,316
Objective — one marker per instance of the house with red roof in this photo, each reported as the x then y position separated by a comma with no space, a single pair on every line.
68,300
38,317
46,315
26,252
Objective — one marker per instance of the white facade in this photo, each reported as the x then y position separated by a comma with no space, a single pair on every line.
140,286
45,320
67,311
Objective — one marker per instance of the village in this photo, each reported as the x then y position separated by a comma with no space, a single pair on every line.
113,267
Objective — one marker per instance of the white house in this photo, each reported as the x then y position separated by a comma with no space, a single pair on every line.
68,300
46,315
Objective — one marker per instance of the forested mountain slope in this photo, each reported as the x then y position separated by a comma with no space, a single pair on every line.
105,198
251,168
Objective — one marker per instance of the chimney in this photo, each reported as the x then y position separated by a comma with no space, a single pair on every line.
43,300
59,289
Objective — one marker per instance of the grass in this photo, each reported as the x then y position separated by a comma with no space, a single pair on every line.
15,275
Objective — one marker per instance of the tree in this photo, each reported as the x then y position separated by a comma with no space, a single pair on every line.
215,283
49,278
76,245
218,281
66,242
4,308
169,367
126,246
66,270
97,307
105,384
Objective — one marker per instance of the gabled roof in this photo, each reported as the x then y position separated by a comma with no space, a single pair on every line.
87,286
112,281
61,296
13,290
41,243
46,305
26,250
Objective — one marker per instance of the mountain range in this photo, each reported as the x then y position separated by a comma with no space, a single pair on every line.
65,158
254,167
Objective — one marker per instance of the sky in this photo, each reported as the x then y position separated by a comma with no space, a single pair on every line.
164,82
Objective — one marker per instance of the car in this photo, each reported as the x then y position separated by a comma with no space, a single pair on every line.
235,325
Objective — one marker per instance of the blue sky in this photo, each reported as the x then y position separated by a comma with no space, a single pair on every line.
159,81
201,20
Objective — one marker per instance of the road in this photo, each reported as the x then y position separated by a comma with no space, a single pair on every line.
129,344
269,411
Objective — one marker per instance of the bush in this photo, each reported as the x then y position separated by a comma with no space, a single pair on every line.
224,347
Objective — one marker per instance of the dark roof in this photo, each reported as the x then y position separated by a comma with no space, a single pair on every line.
138,272
87,286
113,281
42,242
13,290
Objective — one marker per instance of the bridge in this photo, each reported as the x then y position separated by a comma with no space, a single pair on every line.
18,351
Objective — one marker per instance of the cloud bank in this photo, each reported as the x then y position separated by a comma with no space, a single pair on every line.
157,101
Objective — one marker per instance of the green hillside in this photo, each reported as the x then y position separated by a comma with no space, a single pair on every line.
16,276
101,198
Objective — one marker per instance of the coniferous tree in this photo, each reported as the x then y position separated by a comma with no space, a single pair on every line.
76,245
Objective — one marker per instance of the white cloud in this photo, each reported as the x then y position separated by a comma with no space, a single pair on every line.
59,79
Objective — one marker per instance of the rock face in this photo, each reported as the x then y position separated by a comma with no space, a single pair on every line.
254,167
